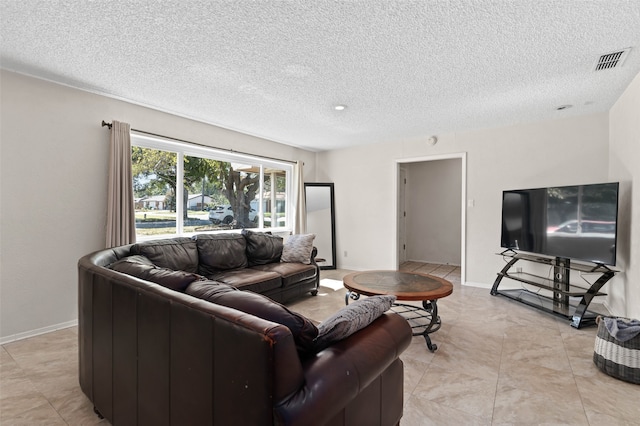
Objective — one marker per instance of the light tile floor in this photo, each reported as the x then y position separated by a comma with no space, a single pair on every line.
498,363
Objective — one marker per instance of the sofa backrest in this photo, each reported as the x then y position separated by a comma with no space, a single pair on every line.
150,355
220,252
207,254
180,253
262,247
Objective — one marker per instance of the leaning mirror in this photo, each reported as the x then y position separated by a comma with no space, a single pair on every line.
320,221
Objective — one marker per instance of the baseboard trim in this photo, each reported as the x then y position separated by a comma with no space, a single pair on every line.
434,262
37,332
479,285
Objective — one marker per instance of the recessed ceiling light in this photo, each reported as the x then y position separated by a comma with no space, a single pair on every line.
561,107
339,107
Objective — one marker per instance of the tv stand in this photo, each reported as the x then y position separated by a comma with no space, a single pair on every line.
564,295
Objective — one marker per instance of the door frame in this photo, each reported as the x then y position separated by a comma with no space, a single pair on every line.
401,212
463,203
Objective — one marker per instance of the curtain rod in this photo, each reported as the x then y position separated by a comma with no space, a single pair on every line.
109,125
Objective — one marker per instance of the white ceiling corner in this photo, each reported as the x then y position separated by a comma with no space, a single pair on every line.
406,70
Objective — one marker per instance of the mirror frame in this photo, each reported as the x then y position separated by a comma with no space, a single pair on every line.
333,221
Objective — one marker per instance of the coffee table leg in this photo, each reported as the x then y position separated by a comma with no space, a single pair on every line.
431,346
415,314
351,295
432,307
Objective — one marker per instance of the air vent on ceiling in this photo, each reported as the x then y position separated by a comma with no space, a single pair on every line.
612,60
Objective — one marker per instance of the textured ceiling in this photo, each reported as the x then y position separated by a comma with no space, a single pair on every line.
406,70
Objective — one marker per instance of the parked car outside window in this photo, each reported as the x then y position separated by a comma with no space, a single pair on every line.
224,214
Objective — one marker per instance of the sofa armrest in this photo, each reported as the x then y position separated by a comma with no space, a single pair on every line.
336,375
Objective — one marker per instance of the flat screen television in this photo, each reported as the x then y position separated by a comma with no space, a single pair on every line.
574,222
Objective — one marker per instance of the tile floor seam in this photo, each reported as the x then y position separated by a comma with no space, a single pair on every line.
495,395
573,375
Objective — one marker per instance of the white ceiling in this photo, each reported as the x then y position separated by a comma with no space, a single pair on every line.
406,70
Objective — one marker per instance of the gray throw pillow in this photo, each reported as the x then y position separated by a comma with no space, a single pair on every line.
297,248
352,318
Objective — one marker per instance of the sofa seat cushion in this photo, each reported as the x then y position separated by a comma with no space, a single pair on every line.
303,330
248,279
179,254
221,252
141,267
291,273
262,248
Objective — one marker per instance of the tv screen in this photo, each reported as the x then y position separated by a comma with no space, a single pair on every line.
576,222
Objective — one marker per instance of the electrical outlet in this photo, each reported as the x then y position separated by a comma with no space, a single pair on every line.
345,253
519,269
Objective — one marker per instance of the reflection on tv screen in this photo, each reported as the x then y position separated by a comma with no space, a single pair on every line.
577,222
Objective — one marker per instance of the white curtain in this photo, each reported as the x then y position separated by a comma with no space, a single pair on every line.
121,226
300,213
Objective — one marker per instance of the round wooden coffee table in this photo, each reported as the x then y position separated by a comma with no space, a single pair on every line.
405,286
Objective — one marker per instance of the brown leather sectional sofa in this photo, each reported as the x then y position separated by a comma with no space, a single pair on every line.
153,352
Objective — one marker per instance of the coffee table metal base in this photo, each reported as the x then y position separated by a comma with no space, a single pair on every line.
422,319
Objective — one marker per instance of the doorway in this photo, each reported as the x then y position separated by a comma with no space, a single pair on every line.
431,210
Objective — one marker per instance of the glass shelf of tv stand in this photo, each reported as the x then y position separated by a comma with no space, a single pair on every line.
567,299
575,265
547,304
548,284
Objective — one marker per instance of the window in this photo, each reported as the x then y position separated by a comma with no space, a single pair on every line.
220,190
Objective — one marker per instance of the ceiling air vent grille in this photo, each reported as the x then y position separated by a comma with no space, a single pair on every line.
611,60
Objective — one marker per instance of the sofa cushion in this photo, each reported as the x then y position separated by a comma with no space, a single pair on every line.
221,252
303,330
298,248
352,318
291,273
208,289
248,279
179,254
262,248
141,267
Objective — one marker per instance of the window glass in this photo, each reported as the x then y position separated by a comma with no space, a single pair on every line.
274,198
154,184
220,191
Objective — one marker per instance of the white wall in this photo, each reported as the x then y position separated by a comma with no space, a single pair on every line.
556,152
624,166
432,200
365,180
53,172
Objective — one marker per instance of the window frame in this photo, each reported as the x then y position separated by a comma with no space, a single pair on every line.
183,149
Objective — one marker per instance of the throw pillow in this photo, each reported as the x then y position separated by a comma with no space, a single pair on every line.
303,330
141,267
352,318
262,248
297,248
